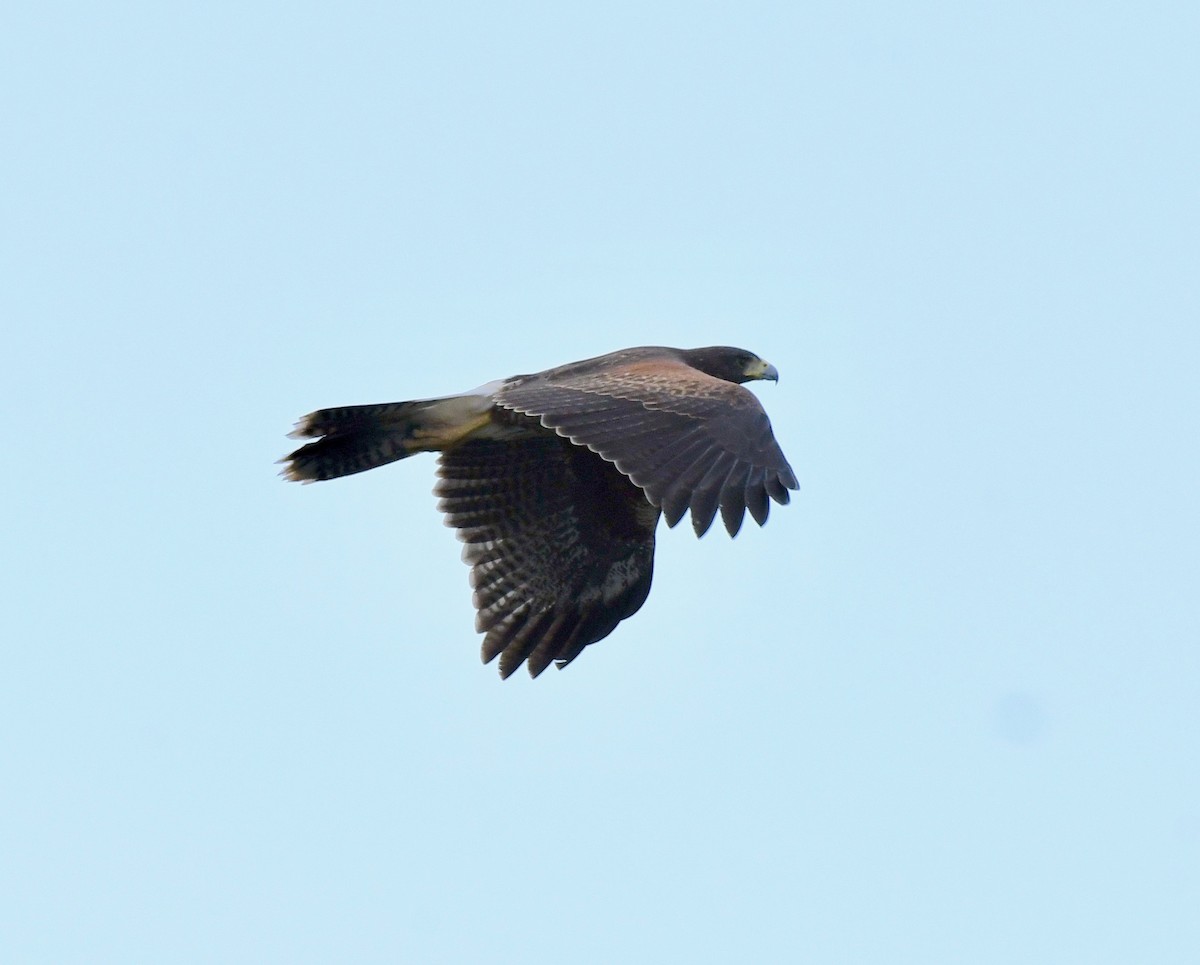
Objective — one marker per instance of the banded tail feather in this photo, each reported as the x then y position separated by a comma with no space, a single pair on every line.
355,438
352,439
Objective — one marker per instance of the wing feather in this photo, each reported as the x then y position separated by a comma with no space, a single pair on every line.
560,543
706,494
755,496
667,427
778,490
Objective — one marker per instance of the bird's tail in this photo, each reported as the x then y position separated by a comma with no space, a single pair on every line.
355,438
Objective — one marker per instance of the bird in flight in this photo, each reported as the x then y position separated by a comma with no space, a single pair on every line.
556,481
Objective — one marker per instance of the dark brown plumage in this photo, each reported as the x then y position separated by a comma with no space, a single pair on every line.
555,481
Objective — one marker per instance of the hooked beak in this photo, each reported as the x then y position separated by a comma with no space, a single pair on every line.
761,369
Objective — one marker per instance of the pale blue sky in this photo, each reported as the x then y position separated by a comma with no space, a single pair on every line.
943,708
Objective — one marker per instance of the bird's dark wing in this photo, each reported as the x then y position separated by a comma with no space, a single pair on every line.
689,440
561,545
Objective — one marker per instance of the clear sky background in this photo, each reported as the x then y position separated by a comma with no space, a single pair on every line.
943,708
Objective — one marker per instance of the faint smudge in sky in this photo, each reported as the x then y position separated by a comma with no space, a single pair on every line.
1019,717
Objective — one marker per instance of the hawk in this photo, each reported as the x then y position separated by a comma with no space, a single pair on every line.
556,481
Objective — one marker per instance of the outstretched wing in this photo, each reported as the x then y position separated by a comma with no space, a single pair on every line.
689,440
561,545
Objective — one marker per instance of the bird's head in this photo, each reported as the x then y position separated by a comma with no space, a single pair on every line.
730,364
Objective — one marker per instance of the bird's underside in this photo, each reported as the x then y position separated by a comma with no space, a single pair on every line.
555,482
